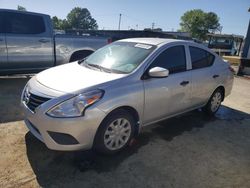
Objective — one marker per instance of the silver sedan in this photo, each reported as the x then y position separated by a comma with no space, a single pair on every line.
104,100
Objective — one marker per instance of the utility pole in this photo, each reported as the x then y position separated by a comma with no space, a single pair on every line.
153,25
220,28
120,17
246,48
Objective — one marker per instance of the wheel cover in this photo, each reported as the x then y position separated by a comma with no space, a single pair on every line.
216,101
117,134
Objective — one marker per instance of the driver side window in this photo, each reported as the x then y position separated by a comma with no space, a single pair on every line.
173,59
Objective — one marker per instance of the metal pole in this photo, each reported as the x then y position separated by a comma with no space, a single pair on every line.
119,26
247,43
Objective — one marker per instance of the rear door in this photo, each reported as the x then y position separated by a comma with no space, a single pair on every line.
3,49
170,95
29,42
203,76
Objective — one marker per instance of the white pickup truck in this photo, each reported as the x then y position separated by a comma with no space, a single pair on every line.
28,43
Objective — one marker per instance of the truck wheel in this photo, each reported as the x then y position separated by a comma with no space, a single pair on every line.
214,102
115,132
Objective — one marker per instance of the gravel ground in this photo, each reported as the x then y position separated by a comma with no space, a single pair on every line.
191,150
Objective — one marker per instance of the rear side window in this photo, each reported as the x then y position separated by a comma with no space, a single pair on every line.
24,24
200,58
173,59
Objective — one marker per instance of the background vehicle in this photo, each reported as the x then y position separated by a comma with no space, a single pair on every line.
224,44
28,43
105,100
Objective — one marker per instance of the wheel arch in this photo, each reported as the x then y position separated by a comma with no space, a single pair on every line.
81,53
131,110
135,115
222,88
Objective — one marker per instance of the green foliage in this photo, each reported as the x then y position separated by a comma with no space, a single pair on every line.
78,18
60,24
21,8
199,23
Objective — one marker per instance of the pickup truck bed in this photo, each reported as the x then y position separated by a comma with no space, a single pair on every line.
72,47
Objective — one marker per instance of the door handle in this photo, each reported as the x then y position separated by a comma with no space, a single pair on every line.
184,83
43,40
215,76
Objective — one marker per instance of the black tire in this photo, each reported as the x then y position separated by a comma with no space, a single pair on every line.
99,143
210,109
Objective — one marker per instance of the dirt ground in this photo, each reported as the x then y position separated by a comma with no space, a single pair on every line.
192,150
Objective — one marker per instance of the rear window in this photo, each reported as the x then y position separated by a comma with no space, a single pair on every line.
201,58
17,23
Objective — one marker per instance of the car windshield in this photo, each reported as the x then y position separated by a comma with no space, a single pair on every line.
119,57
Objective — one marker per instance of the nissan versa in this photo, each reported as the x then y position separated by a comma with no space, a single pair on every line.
104,100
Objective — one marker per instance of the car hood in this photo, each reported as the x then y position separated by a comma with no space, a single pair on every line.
72,77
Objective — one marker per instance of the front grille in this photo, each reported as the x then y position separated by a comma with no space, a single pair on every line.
33,101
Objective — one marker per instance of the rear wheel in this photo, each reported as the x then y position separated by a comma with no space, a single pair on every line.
214,102
115,132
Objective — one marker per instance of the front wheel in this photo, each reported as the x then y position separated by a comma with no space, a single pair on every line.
214,102
115,132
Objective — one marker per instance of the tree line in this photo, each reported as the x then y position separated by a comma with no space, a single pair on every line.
196,22
78,18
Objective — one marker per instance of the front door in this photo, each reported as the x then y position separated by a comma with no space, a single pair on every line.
170,95
29,44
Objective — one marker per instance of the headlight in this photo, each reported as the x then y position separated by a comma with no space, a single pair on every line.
74,107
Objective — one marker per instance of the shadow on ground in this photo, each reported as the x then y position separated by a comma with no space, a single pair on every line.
53,168
10,93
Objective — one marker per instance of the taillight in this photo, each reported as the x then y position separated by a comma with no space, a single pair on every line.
110,40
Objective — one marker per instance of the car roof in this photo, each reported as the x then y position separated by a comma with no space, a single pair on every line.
152,41
162,41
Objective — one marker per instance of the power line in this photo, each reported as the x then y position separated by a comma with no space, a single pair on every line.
136,19
142,23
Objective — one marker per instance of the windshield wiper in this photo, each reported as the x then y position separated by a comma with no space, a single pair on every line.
84,63
96,66
101,68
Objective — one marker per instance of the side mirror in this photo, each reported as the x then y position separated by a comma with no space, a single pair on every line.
158,72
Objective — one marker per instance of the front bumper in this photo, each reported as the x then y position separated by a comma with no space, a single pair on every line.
66,134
